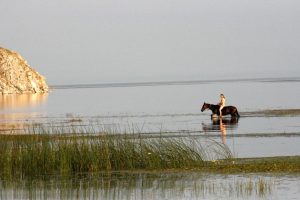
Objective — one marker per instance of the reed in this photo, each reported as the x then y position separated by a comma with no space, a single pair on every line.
179,185
39,154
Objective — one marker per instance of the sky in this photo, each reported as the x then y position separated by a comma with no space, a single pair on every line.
109,41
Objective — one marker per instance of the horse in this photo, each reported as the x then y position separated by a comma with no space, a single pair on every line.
227,110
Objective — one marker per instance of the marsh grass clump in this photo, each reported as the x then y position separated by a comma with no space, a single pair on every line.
241,187
260,187
253,186
40,154
282,112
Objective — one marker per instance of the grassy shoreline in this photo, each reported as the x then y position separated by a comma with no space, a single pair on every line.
277,164
41,154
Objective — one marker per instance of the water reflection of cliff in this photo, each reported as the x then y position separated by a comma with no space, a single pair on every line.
21,100
11,119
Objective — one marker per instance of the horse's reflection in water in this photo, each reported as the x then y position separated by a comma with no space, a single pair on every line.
220,125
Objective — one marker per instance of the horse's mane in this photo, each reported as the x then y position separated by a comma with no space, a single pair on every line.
216,105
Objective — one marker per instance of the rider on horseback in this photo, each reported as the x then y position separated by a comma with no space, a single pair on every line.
221,103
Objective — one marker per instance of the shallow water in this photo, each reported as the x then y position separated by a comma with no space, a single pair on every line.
192,185
163,110
169,109
156,98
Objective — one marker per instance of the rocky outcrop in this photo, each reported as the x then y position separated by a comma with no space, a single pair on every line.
17,77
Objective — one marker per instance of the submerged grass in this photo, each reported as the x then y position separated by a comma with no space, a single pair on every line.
274,113
185,185
286,164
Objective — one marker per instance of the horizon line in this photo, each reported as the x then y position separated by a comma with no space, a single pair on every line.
165,83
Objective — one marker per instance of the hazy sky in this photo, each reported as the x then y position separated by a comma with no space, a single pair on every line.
97,41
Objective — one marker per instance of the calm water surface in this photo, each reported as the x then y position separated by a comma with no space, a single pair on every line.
146,186
164,110
171,108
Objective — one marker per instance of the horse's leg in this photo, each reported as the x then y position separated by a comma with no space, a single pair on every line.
235,114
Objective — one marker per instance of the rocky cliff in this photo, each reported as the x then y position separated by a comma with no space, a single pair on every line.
17,77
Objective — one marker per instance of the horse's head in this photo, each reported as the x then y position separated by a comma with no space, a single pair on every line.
204,107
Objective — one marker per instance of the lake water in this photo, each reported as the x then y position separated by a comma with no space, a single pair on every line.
171,108
164,109
74,42
146,186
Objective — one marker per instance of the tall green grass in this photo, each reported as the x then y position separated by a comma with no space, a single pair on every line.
41,154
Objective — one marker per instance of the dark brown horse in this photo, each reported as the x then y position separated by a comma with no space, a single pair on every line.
227,110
